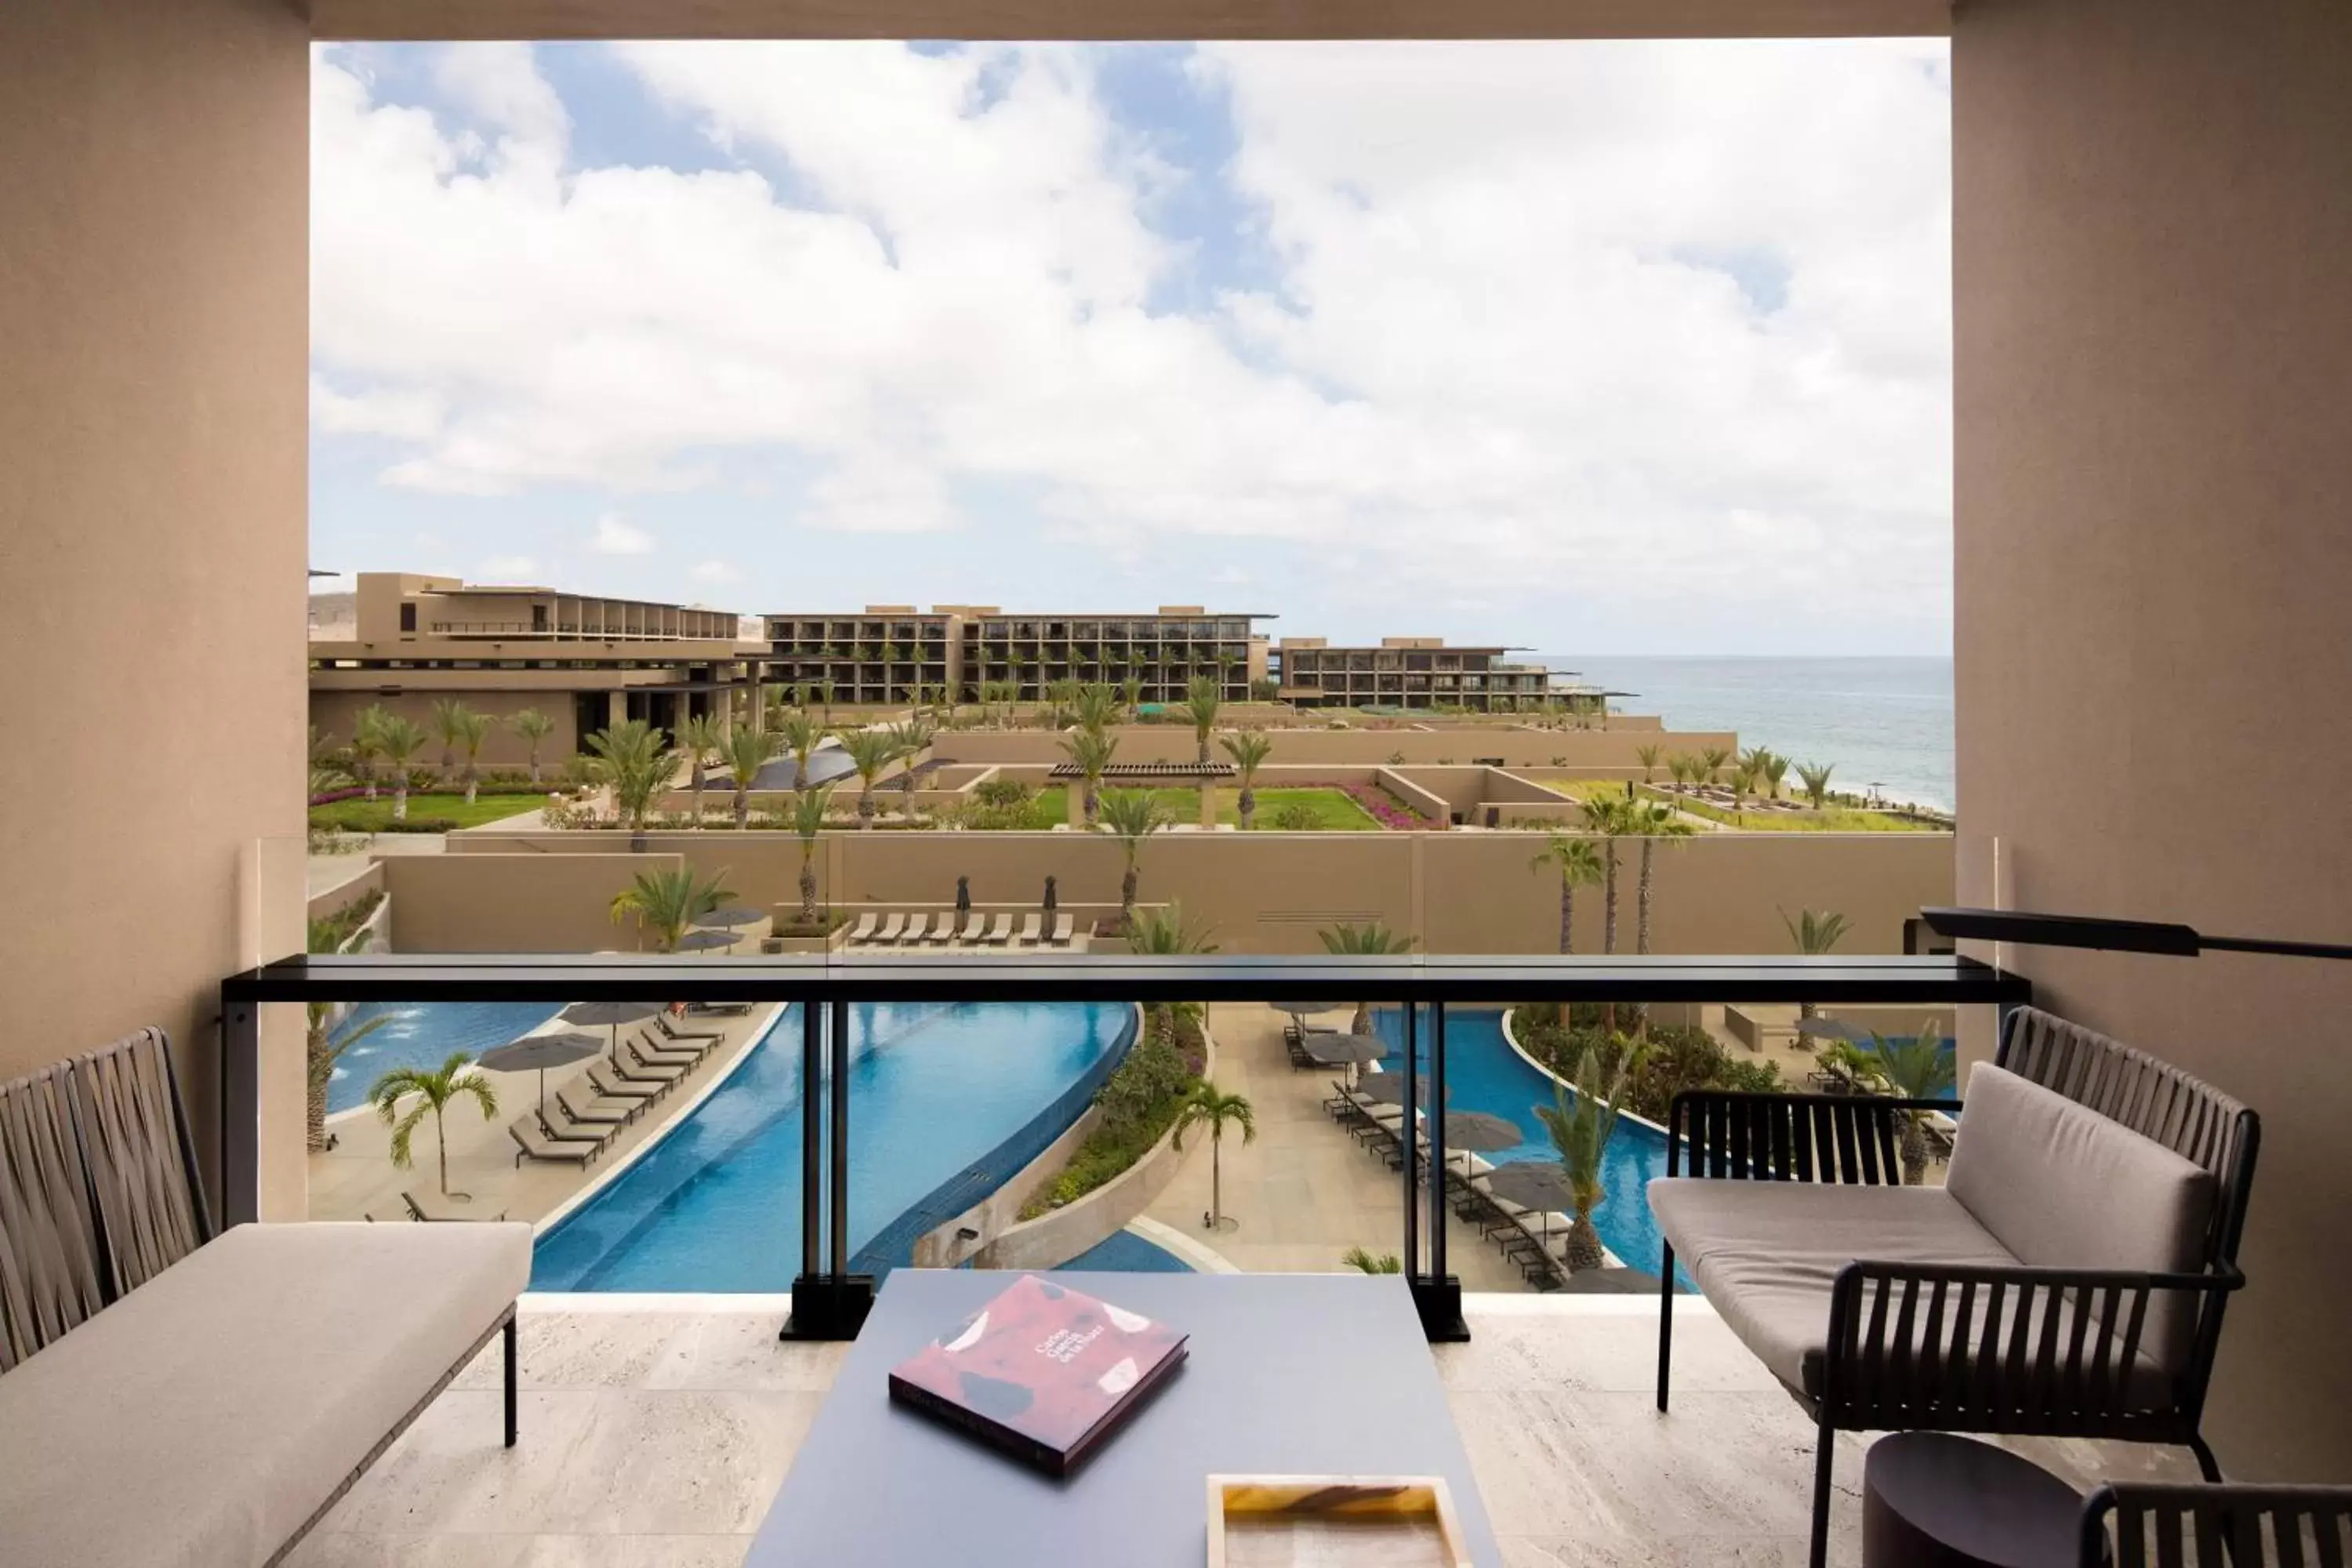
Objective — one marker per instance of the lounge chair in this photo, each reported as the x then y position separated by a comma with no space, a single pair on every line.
637,1069
918,930
892,925
609,1080
968,927
999,929
1030,926
1064,927
530,1144
671,1031
863,931
721,1009
611,1109
558,1124
417,1211
668,1053
944,930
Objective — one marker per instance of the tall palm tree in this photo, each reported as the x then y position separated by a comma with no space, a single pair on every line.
1092,751
1132,690
634,761
869,751
1162,933
1815,777
1649,821
1916,1068
1611,816
1581,1130
1649,755
824,696
1134,814
1201,705
1776,768
322,1047
435,1088
472,729
1249,751
667,903
399,740
1814,931
910,738
1363,941
745,752
367,744
1753,763
534,727
1206,1107
450,717
809,807
1578,859
801,734
700,738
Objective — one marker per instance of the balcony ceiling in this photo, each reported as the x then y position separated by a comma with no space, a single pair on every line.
1128,19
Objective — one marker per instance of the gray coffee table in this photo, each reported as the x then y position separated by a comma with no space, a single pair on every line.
1289,1373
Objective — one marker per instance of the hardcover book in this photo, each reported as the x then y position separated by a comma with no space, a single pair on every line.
1043,1372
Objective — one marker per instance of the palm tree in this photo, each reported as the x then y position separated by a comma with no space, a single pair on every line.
1206,1107
367,744
809,807
1131,690
1776,768
1917,1069
670,902
1610,816
435,1090
472,729
1578,859
700,739
633,760
1649,755
1358,942
1363,1262
1815,776
1581,1130
1200,704
1684,767
534,727
1712,758
1134,814
910,738
1098,706
399,740
1249,751
1814,931
869,751
450,717
801,734
1162,933
1649,821
824,696
322,1047
1752,765
745,752
1092,751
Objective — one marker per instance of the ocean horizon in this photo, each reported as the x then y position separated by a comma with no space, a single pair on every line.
1883,721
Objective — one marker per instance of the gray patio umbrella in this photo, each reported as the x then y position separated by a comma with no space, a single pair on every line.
707,941
1476,1133
539,1051
730,919
963,895
612,1015
1538,1185
1335,1049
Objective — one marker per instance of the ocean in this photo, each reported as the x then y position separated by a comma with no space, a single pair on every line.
1883,721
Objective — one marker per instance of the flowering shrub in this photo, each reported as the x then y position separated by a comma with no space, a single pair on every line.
1383,807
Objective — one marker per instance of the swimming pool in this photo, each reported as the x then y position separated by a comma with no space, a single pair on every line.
946,1101
1484,1074
422,1035
1124,1252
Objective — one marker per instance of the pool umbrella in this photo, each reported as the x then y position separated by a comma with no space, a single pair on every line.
1538,1185
1476,1133
596,1015
705,941
1299,1010
1053,895
543,1052
1388,1088
730,919
963,895
1335,1049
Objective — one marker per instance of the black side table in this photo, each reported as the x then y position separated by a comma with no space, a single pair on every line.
1934,1501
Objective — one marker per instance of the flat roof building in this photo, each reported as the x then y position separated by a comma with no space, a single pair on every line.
1412,672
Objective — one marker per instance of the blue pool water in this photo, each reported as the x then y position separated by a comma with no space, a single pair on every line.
945,1103
1124,1252
1484,1074
422,1035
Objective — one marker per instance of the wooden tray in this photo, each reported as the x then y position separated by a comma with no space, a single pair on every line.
1333,1521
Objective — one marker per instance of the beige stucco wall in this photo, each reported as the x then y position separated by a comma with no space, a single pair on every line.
336,713
1358,748
154,275
2153,232
512,904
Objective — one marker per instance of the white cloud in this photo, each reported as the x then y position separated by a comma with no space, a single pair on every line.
405,415
715,571
1668,323
616,536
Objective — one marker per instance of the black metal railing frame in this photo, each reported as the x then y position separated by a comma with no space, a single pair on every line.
829,1302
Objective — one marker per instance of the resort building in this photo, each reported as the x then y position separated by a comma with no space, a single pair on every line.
1410,672
406,640
888,654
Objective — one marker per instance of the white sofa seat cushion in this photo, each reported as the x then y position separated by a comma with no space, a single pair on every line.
205,1417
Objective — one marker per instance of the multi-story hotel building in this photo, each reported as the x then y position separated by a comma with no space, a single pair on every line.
585,661
1410,672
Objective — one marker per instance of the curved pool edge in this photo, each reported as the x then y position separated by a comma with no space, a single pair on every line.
893,1246
545,1225
1511,1038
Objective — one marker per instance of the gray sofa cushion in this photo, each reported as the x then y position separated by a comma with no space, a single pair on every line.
205,1417
2065,1187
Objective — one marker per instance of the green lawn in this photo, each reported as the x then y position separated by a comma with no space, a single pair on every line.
361,816
1830,819
1334,812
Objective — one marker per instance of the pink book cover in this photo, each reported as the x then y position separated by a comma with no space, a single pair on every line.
1043,1372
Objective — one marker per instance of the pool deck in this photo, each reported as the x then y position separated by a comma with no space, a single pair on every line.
357,1178
655,1431
1305,1192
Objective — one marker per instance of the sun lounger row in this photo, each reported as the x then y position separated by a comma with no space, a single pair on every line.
582,1118
970,929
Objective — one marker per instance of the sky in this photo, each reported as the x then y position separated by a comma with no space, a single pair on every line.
1617,347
